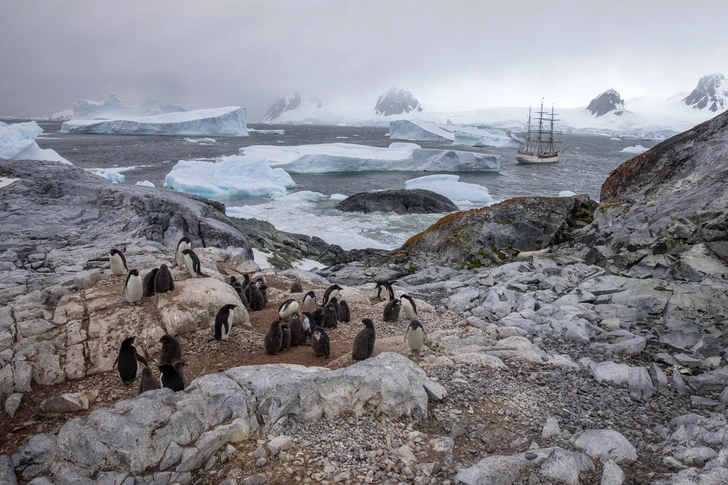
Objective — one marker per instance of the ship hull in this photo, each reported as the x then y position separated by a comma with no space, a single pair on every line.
529,159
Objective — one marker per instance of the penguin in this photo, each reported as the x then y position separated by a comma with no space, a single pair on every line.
384,291
163,281
117,261
128,361
134,287
307,322
287,308
224,322
330,320
335,302
344,313
320,341
171,350
238,287
391,311
286,339
318,317
309,302
415,335
296,329
183,243
331,292
273,338
173,376
296,287
149,282
192,263
255,298
264,291
409,307
364,341
148,381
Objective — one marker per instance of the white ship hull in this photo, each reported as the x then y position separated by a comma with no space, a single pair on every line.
526,159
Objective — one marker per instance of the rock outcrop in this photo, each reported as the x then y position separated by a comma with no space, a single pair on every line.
494,234
665,210
395,102
415,201
711,93
607,102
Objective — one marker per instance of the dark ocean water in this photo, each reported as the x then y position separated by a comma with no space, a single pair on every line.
582,169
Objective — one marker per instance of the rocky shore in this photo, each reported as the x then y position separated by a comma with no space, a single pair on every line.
567,342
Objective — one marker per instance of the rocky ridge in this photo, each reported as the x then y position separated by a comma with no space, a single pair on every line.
396,101
607,102
711,92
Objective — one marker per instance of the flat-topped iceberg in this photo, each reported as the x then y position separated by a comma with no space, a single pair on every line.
464,135
348,157
227,121
451,187
228,176
17,142
112,107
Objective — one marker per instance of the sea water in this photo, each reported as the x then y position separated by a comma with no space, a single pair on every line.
582,169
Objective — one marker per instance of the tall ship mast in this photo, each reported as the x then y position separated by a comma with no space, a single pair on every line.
540,146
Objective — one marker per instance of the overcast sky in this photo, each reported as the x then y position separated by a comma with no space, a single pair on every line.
479,53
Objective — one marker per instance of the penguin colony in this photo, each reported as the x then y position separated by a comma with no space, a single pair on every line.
298,324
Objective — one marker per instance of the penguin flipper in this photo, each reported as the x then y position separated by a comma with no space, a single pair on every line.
141,359
116,361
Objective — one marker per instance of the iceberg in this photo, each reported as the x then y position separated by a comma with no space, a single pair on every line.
227,121
145,183
112,107
637,149
17,142
348,157
464,135
113,175
451,187
201,141
233,175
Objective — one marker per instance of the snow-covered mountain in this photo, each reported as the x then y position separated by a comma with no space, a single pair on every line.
711,93
291,102
112,107
396,102
608,101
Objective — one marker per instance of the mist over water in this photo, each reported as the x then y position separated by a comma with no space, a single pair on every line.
582,169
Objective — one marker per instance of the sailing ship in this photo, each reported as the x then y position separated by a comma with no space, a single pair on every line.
540,146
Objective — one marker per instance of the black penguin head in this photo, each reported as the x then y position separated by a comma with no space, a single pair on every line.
368,323
262,287
334,301
183,239
229,307
188,251
128,342
396,302
310,294
414,325
163,267
167,339
116,251
179,365
134,272
233,280
275,324
294,316
166,369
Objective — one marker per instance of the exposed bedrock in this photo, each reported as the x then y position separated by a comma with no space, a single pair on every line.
416,201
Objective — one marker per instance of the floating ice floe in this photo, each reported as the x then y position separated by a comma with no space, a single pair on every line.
145,183
226,176
464,135
348,157
637,149
17,142
267,132
566,193
227,121
338,197
113,175
201,141
451,187
303,195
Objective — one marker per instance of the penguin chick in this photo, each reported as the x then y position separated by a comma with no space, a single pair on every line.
171,350
344,313
264,291
192,263
318,317
163,281
128,361
224,322
134,287
148,382
287,309
330,320
286,338
409,306
117,262
296,287
273,338
391,311
320,342
307,322
415,335
294,323
255,298
183,243
364,341
149,282
331,292
384,291
309,302
173,376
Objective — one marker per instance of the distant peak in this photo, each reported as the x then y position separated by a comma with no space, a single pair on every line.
396,101
607,102
711,92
